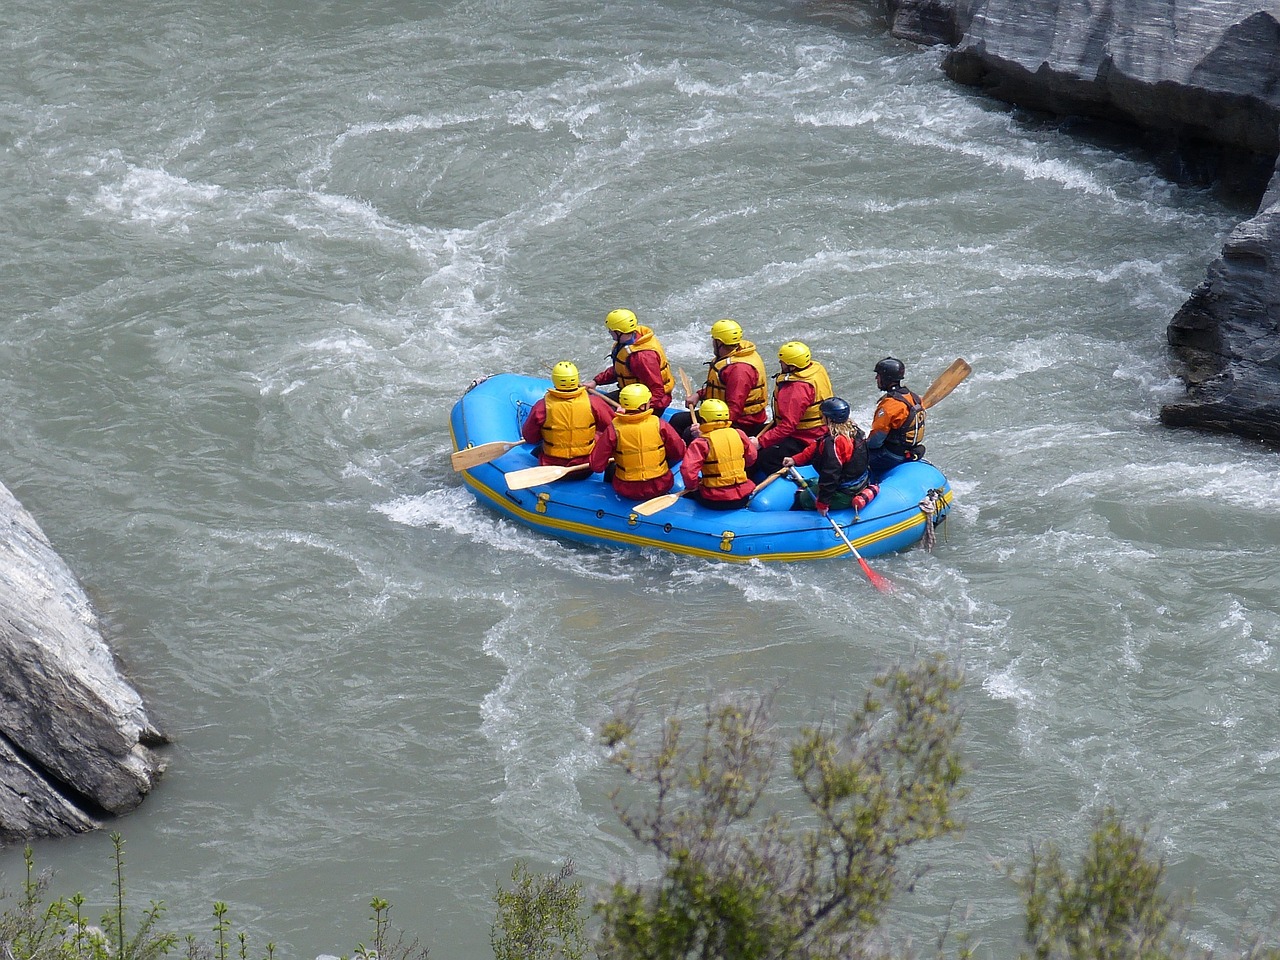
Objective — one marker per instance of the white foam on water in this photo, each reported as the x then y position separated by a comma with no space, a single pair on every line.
150,195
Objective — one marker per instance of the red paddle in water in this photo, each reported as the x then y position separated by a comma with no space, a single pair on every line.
880,583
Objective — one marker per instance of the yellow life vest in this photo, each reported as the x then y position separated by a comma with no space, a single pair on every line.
745,353
816,375
726,462
570,428
645,340
640,453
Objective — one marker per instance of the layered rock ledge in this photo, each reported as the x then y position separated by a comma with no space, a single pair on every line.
76,745
1199,81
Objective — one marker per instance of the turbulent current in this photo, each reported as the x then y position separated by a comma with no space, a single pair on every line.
252,253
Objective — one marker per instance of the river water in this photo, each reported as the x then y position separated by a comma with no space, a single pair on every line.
253,252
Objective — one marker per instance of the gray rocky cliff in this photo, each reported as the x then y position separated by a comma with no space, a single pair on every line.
76,744
1201,82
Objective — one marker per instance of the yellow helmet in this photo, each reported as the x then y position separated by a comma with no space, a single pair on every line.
621,321
795,354
713,411
728,332
564,376
634,396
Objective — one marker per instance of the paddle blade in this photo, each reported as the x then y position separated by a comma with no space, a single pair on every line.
947,381
533,476
883,584
686,384
470,457
650,507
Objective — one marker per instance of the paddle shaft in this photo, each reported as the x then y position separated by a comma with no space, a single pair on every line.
947,381
877,581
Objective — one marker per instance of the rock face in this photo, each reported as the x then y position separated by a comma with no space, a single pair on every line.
1228,335
1201,82
75,741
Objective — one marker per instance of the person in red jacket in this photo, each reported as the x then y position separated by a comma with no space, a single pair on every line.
641,444
565,421
735,375
716,463
799,390
637,357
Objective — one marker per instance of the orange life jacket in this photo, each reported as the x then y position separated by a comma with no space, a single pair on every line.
814,374
645,340
745,353
641,453
725,463
570,428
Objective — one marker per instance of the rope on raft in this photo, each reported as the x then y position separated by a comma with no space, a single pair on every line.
929,506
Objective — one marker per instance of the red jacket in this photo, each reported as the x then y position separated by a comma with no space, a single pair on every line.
691,467
607,442
792,400
532,429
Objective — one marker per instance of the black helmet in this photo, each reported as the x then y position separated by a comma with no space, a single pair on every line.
890,370
835,410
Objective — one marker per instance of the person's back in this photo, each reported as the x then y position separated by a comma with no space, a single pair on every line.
840,456
642,446
716,463
897,427
566,420
637,357
801,386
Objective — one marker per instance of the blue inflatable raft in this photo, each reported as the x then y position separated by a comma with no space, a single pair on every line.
588,511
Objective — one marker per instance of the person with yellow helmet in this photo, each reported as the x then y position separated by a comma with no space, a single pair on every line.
642,446
564,423
715,464
637,357
799,389
735,375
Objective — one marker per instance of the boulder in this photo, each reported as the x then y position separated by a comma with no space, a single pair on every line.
1200,82
76,742
1227,335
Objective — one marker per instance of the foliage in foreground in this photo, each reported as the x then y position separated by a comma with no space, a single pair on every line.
742,878
40,929
739,878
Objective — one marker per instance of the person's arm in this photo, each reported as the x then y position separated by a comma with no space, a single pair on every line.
691,466
531,432
602,411
602,452
749,451
883,420
647,368
792,401
607,375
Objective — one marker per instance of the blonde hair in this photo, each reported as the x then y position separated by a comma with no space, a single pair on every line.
847,429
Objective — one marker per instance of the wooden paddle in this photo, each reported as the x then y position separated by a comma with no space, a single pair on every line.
469,457
606,398
688,387
650,507
533,476
947,381
877,581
